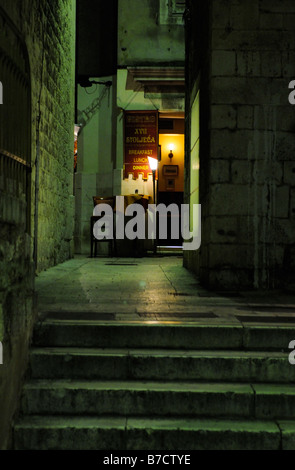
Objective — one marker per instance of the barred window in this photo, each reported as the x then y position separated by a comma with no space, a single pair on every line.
15,125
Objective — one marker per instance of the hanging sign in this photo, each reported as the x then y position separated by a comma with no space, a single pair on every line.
140,142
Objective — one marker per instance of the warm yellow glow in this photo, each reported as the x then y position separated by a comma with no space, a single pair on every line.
172,135
153,162
177,143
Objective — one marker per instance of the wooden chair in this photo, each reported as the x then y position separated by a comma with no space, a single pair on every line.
93,219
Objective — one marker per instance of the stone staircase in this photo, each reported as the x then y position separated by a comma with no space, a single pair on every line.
158,386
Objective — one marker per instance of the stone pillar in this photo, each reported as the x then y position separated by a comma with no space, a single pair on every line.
248,166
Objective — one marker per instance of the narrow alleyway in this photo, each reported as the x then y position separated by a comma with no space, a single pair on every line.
179,103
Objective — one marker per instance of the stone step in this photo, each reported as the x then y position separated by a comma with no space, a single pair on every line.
127,398
161,364
158,386
89,334
150,433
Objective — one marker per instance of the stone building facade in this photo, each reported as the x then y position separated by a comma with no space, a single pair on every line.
240,135
37,73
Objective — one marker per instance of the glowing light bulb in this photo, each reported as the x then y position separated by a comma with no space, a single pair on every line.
153,162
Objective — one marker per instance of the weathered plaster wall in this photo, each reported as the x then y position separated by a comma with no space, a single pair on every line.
96,154
144,37
247,164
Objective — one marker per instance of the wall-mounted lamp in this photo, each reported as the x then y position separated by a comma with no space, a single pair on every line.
171,148
153,162
85,82
76,130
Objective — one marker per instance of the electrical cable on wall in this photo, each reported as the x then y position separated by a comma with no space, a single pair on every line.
87,114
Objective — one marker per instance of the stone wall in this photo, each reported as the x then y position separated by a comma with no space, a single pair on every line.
247,160
47,30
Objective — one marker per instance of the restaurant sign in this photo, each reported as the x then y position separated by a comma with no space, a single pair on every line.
140,142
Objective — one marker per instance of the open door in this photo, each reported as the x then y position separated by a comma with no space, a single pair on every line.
171,171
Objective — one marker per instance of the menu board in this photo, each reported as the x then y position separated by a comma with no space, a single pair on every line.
140,142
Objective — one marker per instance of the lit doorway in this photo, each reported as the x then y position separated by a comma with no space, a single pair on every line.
171,173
